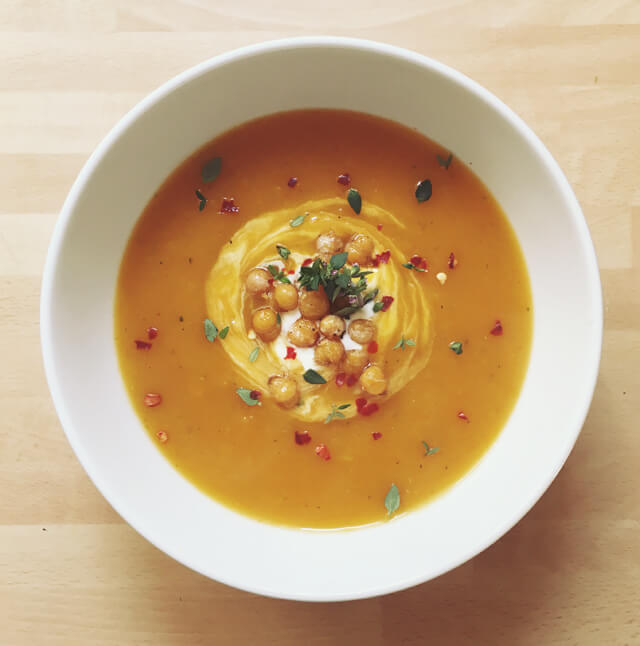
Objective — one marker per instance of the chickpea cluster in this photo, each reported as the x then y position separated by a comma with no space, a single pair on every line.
316,328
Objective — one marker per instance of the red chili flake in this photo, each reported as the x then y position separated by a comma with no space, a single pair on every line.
142,345
452,261
302,437
344,179
255,394
271,281
229,206
292,182
163,436
379,227
372,348
323,452
291,271
152,399
497,329
463,417
382,258
152,333
307,261
340,379
352,380
386,302
418,261
291,353
369,409
375,435
366,409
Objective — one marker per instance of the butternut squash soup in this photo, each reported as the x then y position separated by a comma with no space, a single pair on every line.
323,319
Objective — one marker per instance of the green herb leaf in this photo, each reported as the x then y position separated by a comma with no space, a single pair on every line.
223,332
445,163
296,222
428,450
410,265
312,377
283,251
369,296
202,198
211,169
335,412
278,275
424,190
403,343
337,283
378,306
279,318
392,500
210,330
245,396
355,200
456,346
253,355
338,261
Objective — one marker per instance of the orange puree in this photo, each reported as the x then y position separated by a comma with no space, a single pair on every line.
259,459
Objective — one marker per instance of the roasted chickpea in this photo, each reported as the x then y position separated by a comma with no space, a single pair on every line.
284,390
362,331
360,249
286,296
329,243
303,333
257,281
329,352
265,323
355,361
332,326
373,381
313,305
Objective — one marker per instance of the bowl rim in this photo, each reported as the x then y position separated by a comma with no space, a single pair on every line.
327,42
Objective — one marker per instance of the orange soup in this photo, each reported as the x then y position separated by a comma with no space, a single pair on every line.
323,319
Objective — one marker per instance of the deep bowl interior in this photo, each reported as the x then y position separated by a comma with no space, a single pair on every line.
77,318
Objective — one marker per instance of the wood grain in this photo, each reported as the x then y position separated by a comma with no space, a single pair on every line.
71,572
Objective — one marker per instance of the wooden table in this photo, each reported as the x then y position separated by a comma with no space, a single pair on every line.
71,572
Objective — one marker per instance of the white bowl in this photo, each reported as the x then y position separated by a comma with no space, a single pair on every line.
77,317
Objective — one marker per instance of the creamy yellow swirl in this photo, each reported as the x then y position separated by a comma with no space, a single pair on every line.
254,245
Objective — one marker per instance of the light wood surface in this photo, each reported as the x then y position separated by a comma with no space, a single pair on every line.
71,572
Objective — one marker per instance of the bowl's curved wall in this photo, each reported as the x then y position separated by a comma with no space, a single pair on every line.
77,313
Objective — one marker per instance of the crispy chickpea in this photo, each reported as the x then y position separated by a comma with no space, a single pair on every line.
373,381
313,305
284,390
265,323
303,333
286,296
360,249
355,361
329,352
257,281
362,331
332,326
329,243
